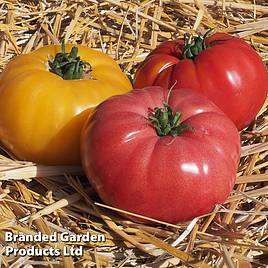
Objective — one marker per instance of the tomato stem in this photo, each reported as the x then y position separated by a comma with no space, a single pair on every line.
193,48
69,66
167,123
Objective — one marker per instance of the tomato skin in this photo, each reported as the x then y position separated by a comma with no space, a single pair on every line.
229,72
167,178
42,114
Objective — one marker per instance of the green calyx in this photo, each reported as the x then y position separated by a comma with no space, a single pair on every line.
167,123
195,47
69,66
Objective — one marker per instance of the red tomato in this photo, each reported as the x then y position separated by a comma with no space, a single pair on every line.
174,177
224,68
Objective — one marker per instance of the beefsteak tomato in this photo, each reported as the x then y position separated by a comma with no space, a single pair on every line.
224,68
171,162
44,102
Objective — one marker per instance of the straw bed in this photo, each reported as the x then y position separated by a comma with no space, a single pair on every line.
37,198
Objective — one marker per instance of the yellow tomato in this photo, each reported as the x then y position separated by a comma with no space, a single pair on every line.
41,114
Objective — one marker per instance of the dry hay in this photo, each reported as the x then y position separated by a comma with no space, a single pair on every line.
47,199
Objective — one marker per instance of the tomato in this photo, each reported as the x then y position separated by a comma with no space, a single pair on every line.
224,68
42,113
171,162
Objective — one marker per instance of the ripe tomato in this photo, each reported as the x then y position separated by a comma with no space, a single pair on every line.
224,68
146,159
41,113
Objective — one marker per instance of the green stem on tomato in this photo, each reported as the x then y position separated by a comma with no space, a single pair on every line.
167,123
69,66
195,47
